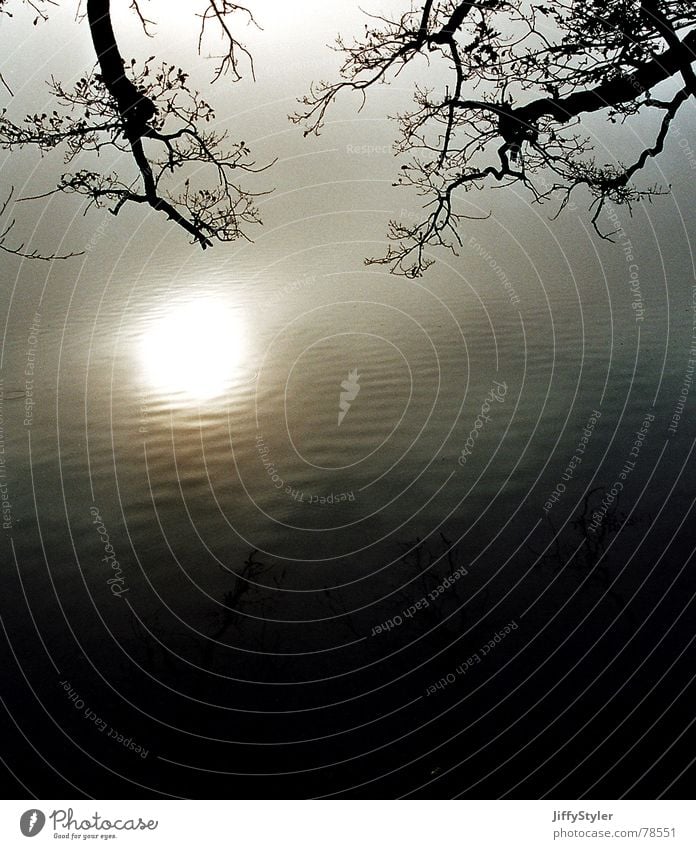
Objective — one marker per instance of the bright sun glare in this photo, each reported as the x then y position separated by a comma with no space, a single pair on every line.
195,349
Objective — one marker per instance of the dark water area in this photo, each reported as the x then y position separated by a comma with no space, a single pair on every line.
263,602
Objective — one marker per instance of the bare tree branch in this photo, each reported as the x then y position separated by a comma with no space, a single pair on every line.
20,249
523,76
182,168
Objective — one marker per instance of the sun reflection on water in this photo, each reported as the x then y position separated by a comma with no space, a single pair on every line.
194,349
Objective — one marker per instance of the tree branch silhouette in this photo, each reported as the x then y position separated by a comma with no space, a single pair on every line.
183,168
522,78
20,249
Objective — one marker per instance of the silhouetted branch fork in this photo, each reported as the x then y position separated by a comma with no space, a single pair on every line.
220,10
612,92
456,20
135,108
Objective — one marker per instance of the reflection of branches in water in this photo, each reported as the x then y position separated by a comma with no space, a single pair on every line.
156,642
583,548
429,565
417,572
238,635
246,593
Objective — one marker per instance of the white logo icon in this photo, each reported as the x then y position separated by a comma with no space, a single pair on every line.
350,388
